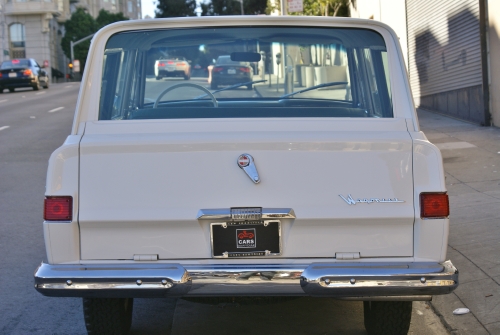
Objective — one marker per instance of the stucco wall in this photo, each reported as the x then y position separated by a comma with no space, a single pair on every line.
37,36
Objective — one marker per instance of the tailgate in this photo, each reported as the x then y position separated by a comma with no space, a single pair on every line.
142,184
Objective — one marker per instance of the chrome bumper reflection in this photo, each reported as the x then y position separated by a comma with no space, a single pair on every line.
378,279
127,280
356,281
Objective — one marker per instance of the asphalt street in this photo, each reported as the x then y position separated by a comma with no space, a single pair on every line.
32,125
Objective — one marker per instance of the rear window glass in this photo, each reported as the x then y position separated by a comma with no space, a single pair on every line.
15,63
245,72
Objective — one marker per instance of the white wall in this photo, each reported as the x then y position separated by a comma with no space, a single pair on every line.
390,12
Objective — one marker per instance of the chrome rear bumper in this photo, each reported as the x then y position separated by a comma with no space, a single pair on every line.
359,281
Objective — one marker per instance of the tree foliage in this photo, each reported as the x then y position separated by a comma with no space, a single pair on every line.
82,24
104,18
325,8
175,8
233,7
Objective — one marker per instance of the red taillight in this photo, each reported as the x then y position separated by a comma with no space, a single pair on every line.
58,209
217,69
161,64
27,72
434,205
179,64
244,69
0,75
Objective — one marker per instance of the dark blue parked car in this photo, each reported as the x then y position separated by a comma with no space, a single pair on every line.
22,73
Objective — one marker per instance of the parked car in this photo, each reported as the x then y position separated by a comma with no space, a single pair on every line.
323,188
173,67
22,73
229,72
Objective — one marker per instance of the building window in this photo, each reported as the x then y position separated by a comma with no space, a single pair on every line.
129,6
17,40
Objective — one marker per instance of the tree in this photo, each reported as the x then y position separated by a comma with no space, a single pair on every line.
80,25
233,7
104,18
175,8
325,8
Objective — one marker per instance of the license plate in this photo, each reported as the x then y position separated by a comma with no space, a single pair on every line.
12,75
246,239
170,68
231,71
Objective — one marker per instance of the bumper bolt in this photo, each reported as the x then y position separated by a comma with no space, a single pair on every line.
352,281
164,282
69,282
423,280
138,282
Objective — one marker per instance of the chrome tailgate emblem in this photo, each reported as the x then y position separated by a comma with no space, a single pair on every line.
246,163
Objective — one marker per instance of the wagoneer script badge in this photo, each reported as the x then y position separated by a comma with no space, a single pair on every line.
351,201
246,163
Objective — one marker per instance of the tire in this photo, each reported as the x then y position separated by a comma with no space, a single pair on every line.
187,77
249,87
158,78
213,86
387,317
108,315
37,86
11,90
46,85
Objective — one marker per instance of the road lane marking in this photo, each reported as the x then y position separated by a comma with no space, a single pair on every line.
68,86
4,127
32,117
55,109
454,145
3,100
40,93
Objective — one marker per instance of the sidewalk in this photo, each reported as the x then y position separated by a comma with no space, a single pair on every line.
471,156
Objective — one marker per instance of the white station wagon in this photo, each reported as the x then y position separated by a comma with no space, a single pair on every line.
317,181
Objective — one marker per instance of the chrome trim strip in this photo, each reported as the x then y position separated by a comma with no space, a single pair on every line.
360,279
390,298
225,213
112,280
246,280
352,281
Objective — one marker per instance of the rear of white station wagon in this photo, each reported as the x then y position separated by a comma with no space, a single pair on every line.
311,179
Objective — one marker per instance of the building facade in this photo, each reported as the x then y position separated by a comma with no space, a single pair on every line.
452,51
35,28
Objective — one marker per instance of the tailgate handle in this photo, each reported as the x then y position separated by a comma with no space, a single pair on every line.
347,255
145,258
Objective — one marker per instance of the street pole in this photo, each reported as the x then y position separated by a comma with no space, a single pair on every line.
2,5
72,45
241,4
72,56
283,7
